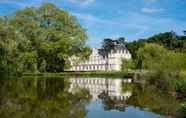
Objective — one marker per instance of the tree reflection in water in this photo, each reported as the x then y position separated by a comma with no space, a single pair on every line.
149,98
41,98
68,98
118,94
111,103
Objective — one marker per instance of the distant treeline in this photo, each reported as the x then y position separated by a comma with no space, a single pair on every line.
169,40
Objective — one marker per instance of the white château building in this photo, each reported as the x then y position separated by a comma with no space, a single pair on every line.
97,61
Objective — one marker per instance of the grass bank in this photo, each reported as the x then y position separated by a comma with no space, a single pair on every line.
111,74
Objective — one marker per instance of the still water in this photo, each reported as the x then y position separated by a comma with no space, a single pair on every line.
77,97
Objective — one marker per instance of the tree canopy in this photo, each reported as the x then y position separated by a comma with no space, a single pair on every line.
109,44
156,57
170,40
45,37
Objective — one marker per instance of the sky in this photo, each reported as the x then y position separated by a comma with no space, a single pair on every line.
132,19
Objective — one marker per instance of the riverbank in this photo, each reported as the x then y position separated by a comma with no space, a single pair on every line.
113,74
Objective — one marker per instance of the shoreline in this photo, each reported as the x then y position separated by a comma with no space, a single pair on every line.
112,74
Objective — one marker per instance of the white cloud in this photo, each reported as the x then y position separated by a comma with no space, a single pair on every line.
132,25
82,2
151,10
96,24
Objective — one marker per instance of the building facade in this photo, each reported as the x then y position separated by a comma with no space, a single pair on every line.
109,62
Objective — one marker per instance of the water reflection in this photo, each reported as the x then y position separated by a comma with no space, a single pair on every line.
41,98
149,98
99,86
108,90
58,97
122,94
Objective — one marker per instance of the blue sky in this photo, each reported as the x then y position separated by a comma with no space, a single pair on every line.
132,19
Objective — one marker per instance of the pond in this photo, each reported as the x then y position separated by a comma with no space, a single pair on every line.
76,97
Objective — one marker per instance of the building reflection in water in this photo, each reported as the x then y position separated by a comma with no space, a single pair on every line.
98,86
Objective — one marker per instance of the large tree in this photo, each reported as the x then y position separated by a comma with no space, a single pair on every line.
51,36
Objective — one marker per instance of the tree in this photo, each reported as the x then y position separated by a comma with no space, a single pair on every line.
157,59
170,40
150,55
134,46
107,46
9,53
128,65
122,42
52,34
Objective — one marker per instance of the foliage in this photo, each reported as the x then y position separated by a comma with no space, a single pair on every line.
43,66
169,40
43,38
109,44
9,53
150,56
128,65
134,46
29,62
156,58
164,68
